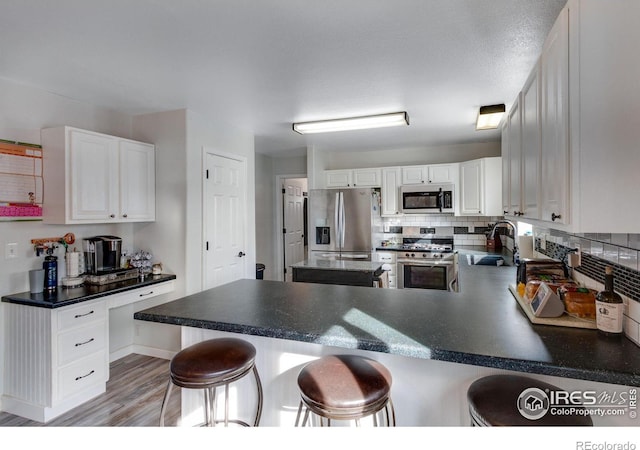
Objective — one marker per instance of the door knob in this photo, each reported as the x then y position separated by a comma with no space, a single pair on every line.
241,254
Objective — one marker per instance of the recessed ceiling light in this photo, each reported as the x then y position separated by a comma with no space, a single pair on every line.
353,123
489,117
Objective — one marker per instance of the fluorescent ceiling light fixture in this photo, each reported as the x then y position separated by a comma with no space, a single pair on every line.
353,123
489,117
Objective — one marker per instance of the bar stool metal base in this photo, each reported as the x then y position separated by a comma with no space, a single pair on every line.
209,365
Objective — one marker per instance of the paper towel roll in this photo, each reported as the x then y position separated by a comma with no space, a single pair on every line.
72,260
525,246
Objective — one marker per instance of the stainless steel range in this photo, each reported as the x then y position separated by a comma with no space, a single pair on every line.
427,263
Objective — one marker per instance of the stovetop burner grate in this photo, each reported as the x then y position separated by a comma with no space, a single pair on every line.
442,245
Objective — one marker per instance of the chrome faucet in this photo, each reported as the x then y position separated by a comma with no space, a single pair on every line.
515,237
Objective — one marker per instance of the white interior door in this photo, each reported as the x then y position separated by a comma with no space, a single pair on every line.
293,220
224,215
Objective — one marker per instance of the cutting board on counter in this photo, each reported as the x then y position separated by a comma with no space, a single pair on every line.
564,320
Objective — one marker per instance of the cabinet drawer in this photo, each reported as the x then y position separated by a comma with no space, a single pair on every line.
136,295
81,342
75,316
82,374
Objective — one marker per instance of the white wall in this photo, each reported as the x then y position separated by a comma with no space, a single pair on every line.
166,236
412,156
265,213
267,169
23,112
176,236
222,137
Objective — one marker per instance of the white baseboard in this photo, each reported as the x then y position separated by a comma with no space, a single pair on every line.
154,352
141,350
120,353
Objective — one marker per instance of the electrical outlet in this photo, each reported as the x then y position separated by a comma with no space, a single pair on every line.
11,251
578,255
543,242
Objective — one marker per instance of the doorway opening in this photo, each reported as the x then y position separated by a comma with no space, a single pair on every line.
291,223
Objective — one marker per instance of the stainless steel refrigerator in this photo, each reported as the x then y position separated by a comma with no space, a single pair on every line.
341,222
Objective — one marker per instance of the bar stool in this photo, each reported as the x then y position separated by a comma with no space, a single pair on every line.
497,400
208,365
345,387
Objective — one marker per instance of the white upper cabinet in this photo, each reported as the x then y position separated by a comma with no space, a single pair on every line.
515,159
390,191
521,153
338,178
348,178
530,109
587,133
554,73
506,189
93,176
471,188
96,178
435,173
481,187
442,173
415,174
367,177
137,181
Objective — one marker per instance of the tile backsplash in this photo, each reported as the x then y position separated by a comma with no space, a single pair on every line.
598,250
465,230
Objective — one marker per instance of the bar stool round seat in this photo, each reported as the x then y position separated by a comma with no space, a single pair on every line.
345,387
210,364
495,400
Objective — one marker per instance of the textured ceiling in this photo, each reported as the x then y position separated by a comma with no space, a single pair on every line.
263,64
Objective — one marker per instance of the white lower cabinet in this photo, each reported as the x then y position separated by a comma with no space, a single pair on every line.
57,359
81,375
389,264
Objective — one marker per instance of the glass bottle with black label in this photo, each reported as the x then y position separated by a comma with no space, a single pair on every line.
609,308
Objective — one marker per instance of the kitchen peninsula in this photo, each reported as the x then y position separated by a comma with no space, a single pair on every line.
435,343
344,272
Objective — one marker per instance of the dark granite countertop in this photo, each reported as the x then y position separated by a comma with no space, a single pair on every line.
480,325
68,296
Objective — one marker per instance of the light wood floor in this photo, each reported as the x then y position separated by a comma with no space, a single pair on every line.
133,398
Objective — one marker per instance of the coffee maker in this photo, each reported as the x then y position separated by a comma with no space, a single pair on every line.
102,254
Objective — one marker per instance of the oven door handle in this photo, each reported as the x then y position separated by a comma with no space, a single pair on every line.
452,283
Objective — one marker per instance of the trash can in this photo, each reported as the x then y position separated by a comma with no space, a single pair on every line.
260,271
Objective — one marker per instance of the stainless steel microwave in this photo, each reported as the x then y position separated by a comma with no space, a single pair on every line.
427,198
